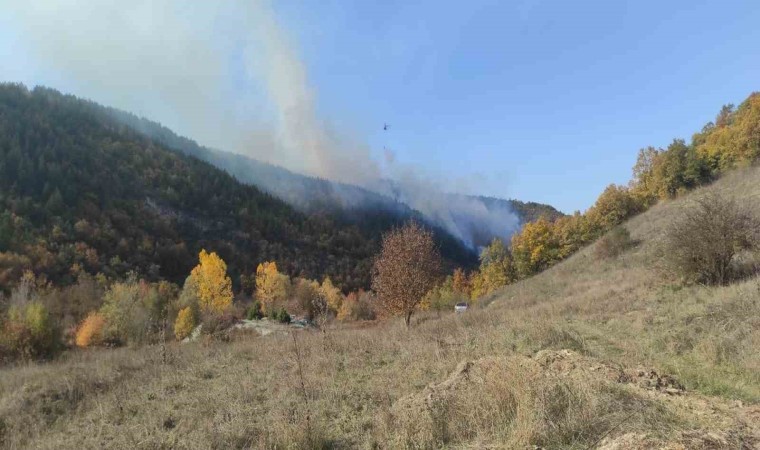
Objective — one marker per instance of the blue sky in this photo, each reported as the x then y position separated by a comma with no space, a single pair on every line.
546,101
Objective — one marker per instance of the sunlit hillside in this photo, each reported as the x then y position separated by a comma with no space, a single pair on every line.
592,353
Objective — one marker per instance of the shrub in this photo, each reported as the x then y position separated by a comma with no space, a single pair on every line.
90,332
280,315
702,245
366,309
614,243
185,323
349,307
254,311
126,319
30,333
217,324
306,294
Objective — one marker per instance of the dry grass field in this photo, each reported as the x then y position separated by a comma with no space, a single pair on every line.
593,353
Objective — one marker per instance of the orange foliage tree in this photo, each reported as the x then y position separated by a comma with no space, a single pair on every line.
90,331
409,265
460,283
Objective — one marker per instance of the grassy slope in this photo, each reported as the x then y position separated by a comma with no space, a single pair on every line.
248,393
624,310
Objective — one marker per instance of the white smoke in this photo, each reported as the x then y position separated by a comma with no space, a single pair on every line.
206,69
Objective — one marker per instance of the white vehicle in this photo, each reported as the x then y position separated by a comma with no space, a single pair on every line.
461,307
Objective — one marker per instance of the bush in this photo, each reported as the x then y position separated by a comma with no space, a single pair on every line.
703,244
185,323
90,332
614,243
30,333
366,310
127,312
217,324
283,316
254,311
280,315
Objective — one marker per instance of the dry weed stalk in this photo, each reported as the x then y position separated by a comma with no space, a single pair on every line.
304,392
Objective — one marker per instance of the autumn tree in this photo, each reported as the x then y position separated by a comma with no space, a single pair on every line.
331,294
613,206
184,324
573,232
306,295
460,283
271,285
644,185
734,140
126,310
349,307
407,267
442,296
496,269
213,285
679,169
535,247
90,331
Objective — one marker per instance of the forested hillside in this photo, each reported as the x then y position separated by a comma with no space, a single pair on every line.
81,190
368,209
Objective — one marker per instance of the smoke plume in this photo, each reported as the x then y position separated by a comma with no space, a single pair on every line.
229,75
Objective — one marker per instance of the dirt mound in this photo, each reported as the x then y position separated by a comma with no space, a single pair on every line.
636,441
649,379
567,362
519,389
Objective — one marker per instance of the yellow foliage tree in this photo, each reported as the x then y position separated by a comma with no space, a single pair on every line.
572,233
734,139
613,206
185,323
644,184
331,294
349,307
90,331
535,247
214,286
496,270
271,285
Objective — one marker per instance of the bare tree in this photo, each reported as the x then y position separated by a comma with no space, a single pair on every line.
408,266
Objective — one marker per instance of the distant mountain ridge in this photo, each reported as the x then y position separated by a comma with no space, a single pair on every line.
309,194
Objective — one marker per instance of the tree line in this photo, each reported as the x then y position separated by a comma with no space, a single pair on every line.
731,141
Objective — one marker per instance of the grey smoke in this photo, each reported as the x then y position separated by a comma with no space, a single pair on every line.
181,62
